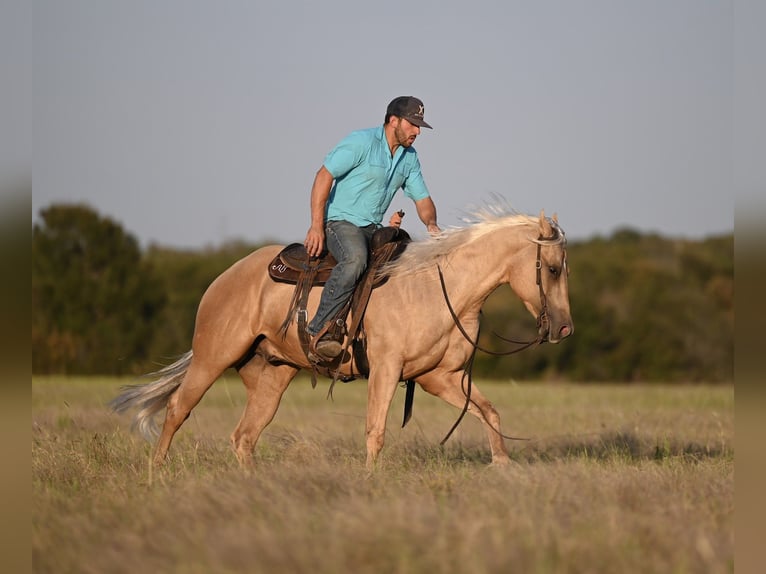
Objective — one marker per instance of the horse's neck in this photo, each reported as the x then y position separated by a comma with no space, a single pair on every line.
473,272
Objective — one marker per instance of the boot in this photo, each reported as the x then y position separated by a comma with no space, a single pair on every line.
327,347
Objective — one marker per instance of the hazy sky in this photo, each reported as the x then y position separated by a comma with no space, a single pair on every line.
195,122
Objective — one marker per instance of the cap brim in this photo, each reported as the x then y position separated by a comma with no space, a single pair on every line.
418,122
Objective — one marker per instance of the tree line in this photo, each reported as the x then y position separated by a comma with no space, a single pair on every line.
645,307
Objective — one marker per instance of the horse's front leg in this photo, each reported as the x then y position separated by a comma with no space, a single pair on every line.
380,391
449,387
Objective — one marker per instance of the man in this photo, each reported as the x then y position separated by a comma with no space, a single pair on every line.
367,168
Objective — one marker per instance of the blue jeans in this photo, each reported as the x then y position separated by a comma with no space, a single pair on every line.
349,245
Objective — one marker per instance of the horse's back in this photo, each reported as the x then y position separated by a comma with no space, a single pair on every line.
250,269
236,293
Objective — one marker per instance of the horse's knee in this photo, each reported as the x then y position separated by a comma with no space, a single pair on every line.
485,412
492,416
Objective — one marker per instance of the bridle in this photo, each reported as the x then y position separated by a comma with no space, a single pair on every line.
543,329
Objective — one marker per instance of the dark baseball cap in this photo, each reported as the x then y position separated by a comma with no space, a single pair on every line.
410,108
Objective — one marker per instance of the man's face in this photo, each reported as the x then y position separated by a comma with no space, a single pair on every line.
405,132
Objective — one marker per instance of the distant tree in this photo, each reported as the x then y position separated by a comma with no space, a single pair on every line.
645,308
95,302
186,275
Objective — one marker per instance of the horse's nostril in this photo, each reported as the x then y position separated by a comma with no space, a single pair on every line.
565,331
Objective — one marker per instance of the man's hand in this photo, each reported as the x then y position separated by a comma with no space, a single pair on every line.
314,242
396,219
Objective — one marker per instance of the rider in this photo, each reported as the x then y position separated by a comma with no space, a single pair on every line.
368,167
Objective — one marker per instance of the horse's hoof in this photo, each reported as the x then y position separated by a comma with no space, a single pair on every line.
504,463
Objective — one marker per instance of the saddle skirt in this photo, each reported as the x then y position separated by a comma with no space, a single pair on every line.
293,261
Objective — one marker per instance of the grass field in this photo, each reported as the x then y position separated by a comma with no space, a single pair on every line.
614,479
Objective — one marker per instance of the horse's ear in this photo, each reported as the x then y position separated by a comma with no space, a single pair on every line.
555,217
545,226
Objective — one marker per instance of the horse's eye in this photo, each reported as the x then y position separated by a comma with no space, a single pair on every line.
554,271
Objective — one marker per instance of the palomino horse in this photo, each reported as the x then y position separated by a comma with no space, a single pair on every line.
417,325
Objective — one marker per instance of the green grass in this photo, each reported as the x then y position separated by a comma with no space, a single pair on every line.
613,479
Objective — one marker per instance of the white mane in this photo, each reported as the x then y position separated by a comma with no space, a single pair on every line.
421,254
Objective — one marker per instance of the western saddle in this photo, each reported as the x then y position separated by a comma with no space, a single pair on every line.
294,266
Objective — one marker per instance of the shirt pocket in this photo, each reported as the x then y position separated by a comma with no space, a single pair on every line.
398,178
401,172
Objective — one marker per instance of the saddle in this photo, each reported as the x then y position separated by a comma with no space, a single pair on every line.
293,261
293,265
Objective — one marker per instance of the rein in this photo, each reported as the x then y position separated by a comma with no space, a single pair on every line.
542,320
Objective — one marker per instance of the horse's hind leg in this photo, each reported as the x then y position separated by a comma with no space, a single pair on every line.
449,387
199,378
265,385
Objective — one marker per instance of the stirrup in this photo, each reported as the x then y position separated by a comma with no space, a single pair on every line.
326,346
315,355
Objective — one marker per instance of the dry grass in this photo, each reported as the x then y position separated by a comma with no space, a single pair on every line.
616,479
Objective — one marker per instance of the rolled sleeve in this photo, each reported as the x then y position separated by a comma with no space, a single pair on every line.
415,186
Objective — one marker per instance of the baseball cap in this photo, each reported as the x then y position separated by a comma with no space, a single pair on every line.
410,108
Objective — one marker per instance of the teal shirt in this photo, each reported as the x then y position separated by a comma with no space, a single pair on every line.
367,177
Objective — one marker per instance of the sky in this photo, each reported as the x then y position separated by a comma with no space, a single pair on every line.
193,123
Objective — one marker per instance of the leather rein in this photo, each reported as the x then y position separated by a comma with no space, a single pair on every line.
542,337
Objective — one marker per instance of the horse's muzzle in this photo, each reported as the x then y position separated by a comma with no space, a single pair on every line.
558,334
561,333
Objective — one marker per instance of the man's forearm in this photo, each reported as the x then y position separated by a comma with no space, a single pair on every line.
320,192
427,213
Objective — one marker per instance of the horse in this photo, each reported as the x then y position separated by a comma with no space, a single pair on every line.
421,324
